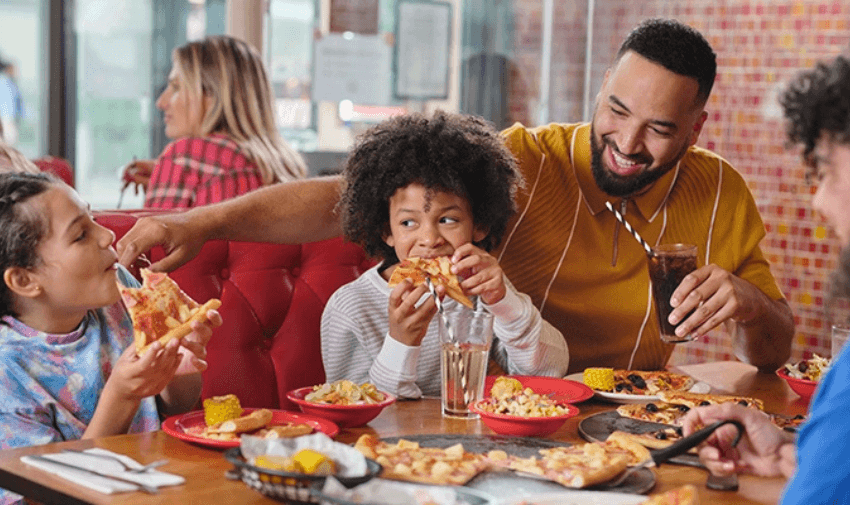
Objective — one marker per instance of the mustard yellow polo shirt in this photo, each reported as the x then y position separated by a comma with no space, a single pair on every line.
560,247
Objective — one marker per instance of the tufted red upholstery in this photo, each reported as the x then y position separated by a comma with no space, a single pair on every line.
272,300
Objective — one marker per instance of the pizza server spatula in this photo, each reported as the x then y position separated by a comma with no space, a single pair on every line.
681,446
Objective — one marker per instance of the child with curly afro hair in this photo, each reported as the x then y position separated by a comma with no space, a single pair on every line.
418,186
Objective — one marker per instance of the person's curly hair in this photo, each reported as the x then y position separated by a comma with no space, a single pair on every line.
676,47
459,154
816,102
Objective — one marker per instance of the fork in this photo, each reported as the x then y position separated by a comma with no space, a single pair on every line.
127,468
679,447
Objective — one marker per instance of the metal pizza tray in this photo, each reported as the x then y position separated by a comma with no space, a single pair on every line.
505,483
597,427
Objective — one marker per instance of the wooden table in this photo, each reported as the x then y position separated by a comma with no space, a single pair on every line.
204,468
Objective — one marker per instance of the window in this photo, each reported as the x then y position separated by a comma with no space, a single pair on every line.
123,56
22,44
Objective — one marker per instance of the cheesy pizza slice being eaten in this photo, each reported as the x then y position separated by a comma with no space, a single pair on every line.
160,310
419,270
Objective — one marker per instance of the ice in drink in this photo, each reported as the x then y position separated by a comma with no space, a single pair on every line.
668,266
464,367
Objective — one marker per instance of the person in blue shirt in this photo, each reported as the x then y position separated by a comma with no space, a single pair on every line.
817,109
70,368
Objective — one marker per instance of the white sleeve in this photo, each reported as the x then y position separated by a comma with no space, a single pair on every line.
524,343
394,370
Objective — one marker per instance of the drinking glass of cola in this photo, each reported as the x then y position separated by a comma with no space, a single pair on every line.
669,264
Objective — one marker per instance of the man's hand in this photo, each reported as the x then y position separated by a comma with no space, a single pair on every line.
409,323
484,276
762,328
176,233
715,295
763,450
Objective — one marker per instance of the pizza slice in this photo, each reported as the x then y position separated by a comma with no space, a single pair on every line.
160,310
702,399
640,382
407,461
654,439
683,495
575,466
660,412
419,270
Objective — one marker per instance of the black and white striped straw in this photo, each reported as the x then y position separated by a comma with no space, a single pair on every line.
631,230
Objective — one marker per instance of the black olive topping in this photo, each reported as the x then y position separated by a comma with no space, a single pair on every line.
683,408
704,403
651,407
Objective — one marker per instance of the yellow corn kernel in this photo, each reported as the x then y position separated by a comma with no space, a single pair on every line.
221,408
600,379
314,463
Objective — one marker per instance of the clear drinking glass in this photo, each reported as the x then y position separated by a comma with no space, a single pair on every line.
464,351
668,266
840,332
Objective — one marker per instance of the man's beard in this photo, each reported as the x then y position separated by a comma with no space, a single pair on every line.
617,185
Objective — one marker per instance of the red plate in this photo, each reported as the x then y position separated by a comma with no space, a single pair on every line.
564,390
175,426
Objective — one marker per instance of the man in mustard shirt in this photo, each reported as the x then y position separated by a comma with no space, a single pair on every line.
587,276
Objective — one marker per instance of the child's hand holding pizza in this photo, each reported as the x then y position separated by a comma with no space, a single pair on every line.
484,276
193,347
135,377
409,323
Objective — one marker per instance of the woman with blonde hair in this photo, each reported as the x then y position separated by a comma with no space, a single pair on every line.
217,107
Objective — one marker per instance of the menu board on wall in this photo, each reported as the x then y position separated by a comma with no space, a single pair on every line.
422,36
357,16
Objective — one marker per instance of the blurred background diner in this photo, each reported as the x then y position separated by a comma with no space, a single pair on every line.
89,74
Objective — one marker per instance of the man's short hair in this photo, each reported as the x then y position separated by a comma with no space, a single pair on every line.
676,47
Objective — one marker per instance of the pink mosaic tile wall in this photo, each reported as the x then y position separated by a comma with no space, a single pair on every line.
759,44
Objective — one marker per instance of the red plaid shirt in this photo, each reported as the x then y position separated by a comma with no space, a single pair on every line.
194,171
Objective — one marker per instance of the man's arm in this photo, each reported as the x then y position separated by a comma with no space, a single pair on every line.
765,341
285,213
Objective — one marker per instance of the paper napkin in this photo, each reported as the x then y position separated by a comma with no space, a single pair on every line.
103,465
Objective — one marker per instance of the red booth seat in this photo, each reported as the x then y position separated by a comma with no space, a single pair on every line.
272,300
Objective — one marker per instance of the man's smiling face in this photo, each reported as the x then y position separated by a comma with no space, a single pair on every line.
646,118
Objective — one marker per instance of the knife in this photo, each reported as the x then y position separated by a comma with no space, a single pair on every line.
144,487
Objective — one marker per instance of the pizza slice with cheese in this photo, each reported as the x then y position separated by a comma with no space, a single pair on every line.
419,270
160,310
